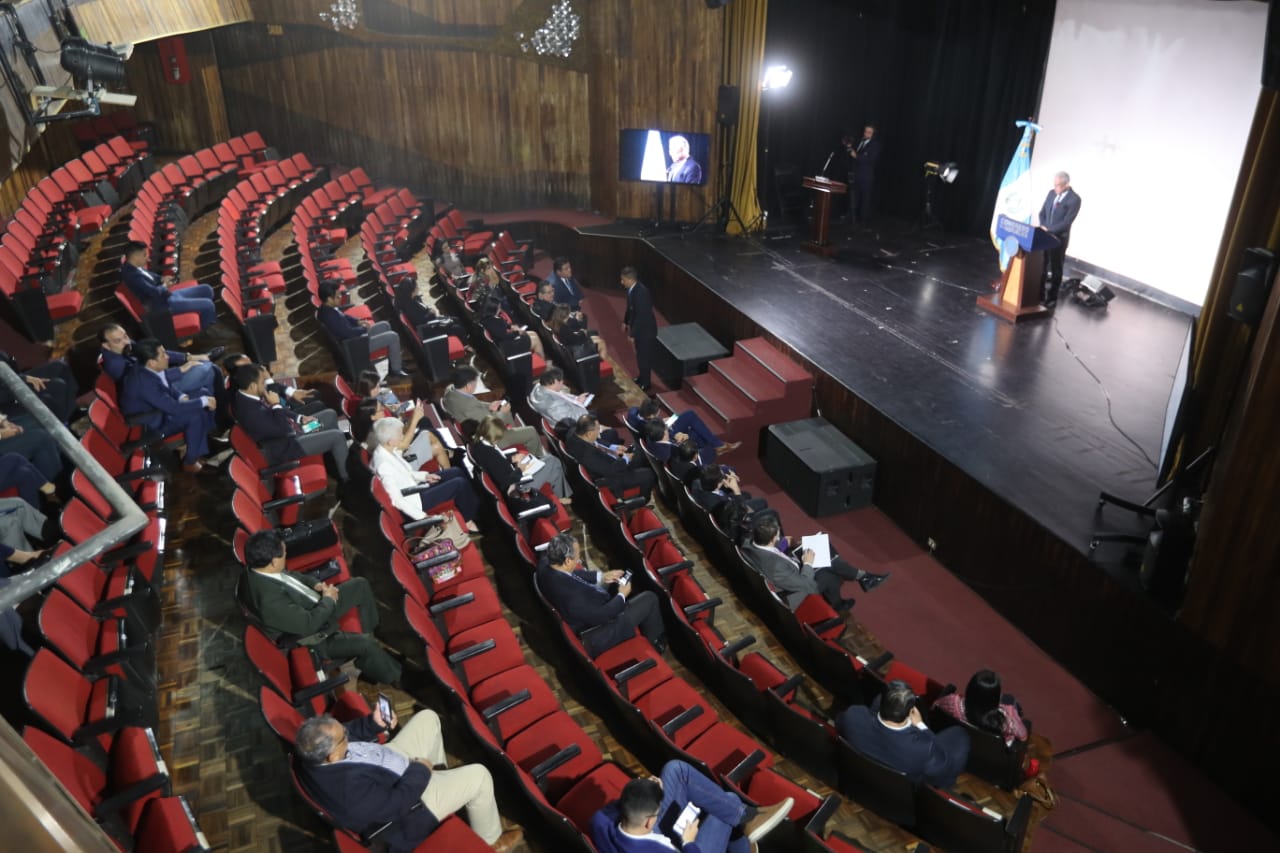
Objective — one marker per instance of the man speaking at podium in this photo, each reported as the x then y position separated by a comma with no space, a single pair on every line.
1061,206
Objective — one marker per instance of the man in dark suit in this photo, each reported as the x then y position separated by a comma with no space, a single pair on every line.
288,603
363,784
278,430
683,169
600,618
412,306
897,737
147,390
567,289
544,301
608,465
717,484
191,374
794,575
156,291
342,327
53,382
640,323
1060,209
863,155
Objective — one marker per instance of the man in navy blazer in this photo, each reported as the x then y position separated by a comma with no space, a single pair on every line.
640,323
1060,209
363,784
864,155
194,375
567,289
154,291
147,390
343,326
600,618
279,430
897,737
610,466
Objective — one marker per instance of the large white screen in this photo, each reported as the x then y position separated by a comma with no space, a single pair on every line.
1147,104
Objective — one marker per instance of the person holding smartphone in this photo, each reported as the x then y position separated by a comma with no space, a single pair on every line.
685,807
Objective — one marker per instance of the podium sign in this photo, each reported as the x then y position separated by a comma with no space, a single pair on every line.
1018,293
824,188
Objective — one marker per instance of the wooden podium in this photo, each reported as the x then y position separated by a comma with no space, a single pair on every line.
1018,295
824,188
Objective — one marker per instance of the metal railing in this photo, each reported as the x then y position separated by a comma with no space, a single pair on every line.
129,518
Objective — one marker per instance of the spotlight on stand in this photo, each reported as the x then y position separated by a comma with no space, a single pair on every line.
775,77
946,172
88,62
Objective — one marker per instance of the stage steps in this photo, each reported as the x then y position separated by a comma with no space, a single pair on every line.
740,395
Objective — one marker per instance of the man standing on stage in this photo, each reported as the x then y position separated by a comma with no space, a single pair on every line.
640,324
865,152
1061,206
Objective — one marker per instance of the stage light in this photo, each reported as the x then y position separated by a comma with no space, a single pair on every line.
946,172
775,77
86,61
557,35
343,13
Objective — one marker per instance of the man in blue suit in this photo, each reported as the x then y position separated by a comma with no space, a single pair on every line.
640,323
897,737
343,326
169,411
1060,209
283,434
567,289
580,595
155,291
194,375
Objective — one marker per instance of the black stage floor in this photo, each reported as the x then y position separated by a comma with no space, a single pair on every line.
893,318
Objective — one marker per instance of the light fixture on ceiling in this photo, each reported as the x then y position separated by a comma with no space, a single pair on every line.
775,77
557,35
343,13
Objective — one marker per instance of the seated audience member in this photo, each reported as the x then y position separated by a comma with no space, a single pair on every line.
660,442
389,466
483,284
193,375
168,411
155,291
509,338
364,785
449,264
892,731
289,603
31,443
684,461
552,399
544,301
11,625
601,619
984,706
571,330
53,383
461,404
409,302
32,486
686,422
508,471
420,442
716,484
283,434
565,287
642,819
343,327
21,524
303,401
609,465
793,574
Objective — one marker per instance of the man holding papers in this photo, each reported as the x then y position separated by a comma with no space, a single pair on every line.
809,569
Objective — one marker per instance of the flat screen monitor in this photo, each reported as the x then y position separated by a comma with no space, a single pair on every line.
663,156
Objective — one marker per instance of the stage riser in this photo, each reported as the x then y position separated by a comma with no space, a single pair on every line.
1134,656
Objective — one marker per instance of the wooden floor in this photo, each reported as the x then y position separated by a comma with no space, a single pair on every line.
222,754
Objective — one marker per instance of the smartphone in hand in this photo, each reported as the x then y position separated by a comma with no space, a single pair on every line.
384,708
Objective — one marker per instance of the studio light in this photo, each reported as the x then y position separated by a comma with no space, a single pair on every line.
946,172
92,62
775,77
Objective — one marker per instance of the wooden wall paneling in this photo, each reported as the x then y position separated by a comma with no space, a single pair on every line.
188,115
656,63
481,128
124,21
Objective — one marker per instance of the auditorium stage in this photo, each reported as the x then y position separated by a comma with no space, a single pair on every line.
892,318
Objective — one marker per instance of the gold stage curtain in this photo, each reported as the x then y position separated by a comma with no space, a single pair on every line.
1221,343
743,65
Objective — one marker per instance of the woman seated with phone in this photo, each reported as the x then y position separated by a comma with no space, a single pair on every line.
520,477
420,442
511,339
396,474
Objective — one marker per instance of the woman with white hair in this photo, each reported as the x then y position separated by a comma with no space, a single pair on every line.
389,466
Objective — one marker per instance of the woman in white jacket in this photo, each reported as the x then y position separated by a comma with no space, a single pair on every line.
390,467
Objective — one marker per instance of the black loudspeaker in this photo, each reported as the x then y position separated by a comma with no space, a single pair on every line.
1271,48
1253,283
821,469
727,101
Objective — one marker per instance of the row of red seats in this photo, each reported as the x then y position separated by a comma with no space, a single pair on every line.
91,131
39,250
